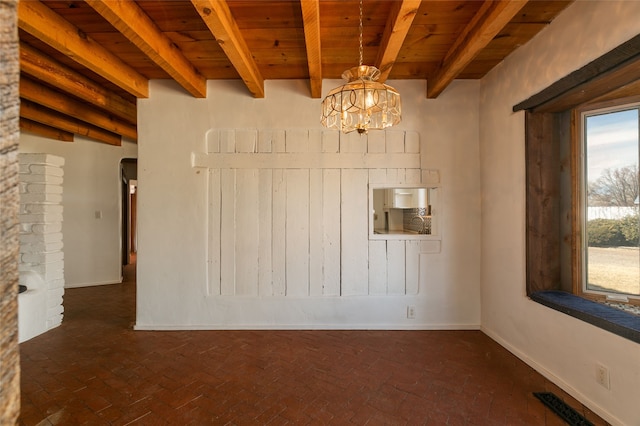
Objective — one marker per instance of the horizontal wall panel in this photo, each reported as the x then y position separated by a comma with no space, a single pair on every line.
306,160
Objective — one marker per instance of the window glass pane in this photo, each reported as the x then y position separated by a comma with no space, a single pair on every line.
613,222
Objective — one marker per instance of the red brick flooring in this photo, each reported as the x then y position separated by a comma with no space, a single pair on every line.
95,370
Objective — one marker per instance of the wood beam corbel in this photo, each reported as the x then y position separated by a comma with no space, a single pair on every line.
37,113
217,16
38,20
311,22
398,25
128,18
485,25
57,101
46,131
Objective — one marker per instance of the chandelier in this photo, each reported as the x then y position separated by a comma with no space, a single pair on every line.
362,103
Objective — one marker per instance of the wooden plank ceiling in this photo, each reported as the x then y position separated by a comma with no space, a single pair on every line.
84,63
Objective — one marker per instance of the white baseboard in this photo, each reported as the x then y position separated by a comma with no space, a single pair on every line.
200,327
603,413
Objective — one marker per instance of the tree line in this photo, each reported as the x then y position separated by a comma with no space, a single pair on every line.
614,188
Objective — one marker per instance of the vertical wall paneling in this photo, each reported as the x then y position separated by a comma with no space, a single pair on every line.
331,231
300,231
213,232
212,140
412,176
227,232
297,140
279,226
430,247
330,142
412,142
355,235
376,142
227,141
402,176
278,141
265,236
316,228
392,176
247,222
377,267
395,141
247,232
265,140
412,262
315,140
246,141
396,264
297,232
353,142
378,176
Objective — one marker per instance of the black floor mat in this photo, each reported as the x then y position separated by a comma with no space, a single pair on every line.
558,406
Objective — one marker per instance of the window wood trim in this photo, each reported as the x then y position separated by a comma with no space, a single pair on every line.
577,213
553,224
616,71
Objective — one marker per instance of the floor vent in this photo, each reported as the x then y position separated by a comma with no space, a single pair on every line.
558,406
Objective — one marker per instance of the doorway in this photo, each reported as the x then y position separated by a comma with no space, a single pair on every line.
129,175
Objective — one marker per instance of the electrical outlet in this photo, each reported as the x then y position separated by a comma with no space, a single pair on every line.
602,376
411,312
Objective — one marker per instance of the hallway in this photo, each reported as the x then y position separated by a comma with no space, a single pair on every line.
95,370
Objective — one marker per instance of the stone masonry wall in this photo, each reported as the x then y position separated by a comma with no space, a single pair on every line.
41,177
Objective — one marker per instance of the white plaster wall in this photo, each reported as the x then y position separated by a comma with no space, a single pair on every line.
92,183
563,348
172,210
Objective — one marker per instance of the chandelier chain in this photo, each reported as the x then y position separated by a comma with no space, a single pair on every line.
362,104
361,52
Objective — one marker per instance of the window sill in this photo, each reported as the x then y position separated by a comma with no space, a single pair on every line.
624,324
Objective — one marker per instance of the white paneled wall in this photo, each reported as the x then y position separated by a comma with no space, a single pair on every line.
287,213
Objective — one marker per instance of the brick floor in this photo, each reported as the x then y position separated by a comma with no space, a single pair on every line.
95,370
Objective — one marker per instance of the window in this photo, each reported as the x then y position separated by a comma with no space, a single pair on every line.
609,258
564,162
403,212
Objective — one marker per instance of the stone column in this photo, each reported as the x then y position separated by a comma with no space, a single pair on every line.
9,136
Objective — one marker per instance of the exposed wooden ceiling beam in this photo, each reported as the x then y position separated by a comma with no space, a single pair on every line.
218,18
311,22
38,20
398,24
34,112
46,131
128,18
485,25
42,67
64,104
